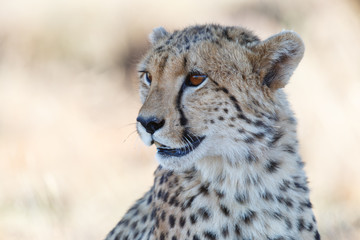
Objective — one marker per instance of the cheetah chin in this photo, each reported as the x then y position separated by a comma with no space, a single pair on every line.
192,143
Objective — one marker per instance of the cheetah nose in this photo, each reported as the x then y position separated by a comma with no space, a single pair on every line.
151,124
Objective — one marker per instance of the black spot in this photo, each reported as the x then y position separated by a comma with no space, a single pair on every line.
235,103
133,225
237,230
301,186
226,110
243,117
225,231
159,49
219,193
204,213
172,220
193,218
288,148
285,201
306,204
285,185
249,140
225,34
241,130
225,210
272,166
159,194
278,135
188,203
224,90
221,118
309,227
251,158
173,201
288,202
242,198
212,121
204,189
259,135
317,235
174,238
232,119
300,224
210,235
248,216
277,215
144,218
153,214
162,179
182,221
136,233
125,222
162,236
267,196
165,196
195,237
149,199
259,123
163,215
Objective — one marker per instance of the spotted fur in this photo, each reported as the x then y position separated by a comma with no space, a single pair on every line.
228,151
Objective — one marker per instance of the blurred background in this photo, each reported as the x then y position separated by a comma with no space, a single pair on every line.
71,162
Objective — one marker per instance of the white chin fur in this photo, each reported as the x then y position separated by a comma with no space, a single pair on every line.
145,136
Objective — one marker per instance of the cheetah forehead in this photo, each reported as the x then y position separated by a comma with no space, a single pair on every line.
182,40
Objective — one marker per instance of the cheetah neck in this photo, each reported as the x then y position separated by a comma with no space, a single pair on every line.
269,193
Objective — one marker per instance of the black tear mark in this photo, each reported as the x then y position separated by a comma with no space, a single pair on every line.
185,62
235,103
183,119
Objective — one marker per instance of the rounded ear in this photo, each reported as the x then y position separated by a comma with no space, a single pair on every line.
157,34
277,58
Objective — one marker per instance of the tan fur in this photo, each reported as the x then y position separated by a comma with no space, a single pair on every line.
227,148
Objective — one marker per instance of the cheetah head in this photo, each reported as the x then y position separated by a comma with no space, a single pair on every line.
211,91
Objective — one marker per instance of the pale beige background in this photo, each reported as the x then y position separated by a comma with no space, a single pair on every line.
71,162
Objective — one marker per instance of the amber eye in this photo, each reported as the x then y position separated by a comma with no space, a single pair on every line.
148,77
195,79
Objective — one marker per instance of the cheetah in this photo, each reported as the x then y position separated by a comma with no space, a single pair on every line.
229,163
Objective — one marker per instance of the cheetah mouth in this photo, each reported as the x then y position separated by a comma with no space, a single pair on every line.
192,143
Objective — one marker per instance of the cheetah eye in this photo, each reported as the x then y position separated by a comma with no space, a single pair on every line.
148,78
195,79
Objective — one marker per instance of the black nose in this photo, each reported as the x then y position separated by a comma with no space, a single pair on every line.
151,124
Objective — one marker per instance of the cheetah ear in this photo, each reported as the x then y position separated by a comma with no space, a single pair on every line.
157,34
279,57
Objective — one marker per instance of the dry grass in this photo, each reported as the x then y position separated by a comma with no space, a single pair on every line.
70,161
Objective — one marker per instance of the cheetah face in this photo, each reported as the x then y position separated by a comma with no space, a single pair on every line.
212,91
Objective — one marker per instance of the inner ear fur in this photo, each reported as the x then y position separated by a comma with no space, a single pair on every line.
277,57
